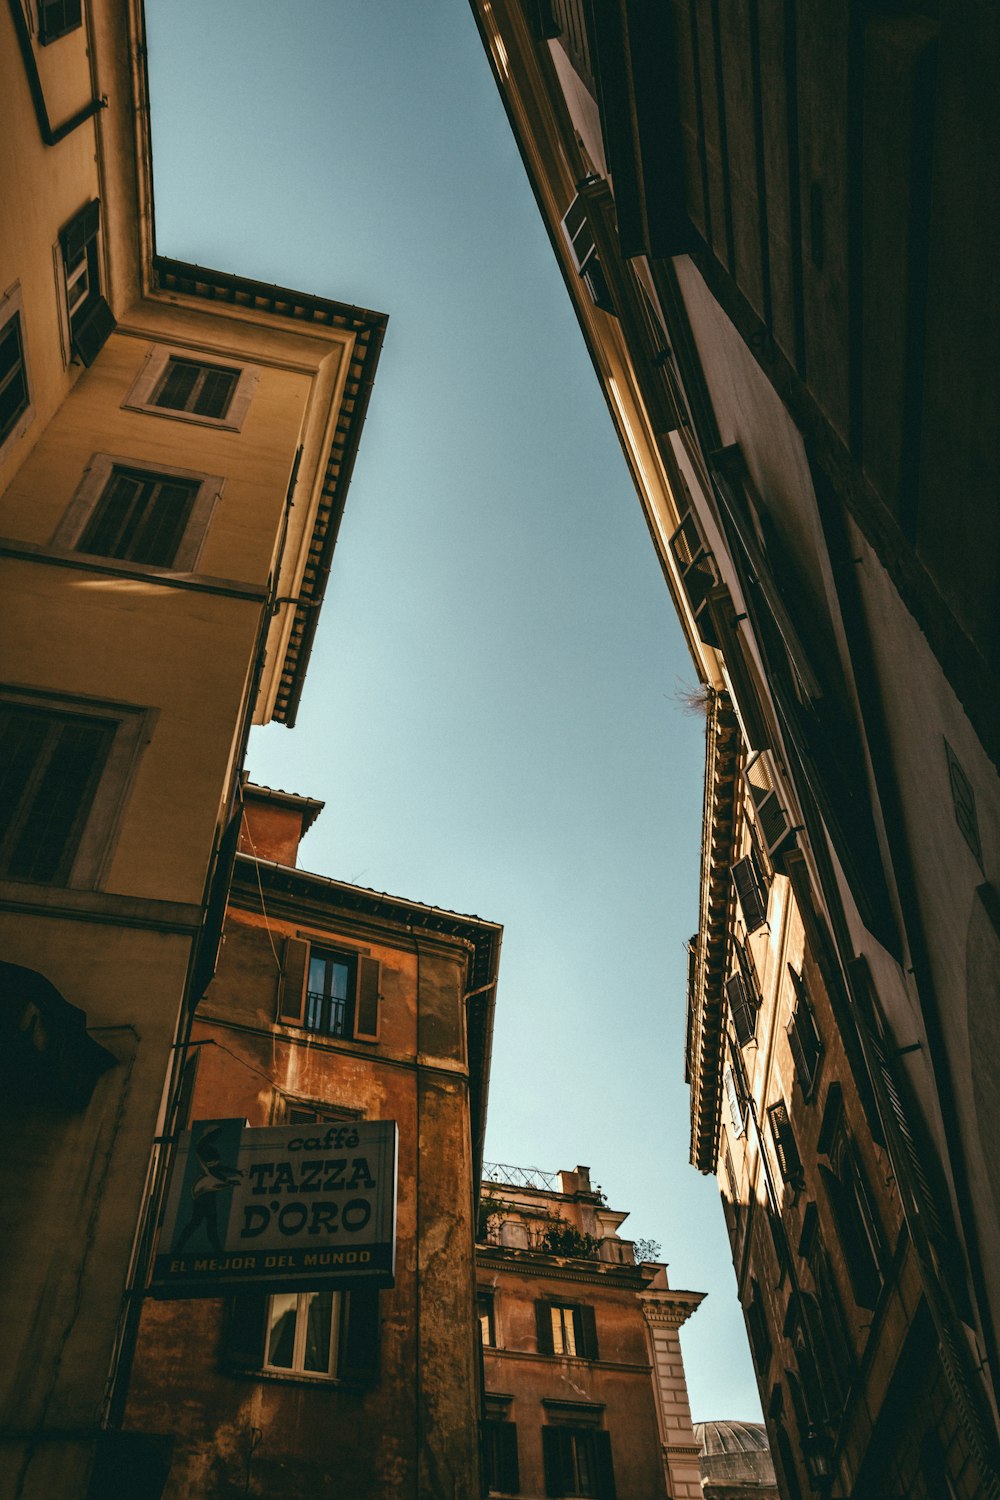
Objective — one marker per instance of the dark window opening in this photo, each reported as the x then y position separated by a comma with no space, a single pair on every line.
14,398
50,766
201,390
501,1473
140,517
803,1036
57,17
578,1462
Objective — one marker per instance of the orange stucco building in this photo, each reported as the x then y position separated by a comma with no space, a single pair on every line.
584,1381
336,1004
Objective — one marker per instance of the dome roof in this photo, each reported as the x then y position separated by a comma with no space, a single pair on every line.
731,1437
735,1453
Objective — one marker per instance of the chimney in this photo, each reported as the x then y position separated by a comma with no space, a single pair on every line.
275,822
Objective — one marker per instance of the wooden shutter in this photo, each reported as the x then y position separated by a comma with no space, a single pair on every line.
508,1471
543,1327
243,1348
292,984
735,1102
604,1466
79,232
366,1009
771,817
555,1442
784,1141
742,1008
586,1332
752,899
91,329
359,1348
56,17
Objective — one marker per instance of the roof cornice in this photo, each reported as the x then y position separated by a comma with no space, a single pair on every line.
706,1007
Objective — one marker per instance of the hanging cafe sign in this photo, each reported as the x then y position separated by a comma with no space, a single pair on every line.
294,1207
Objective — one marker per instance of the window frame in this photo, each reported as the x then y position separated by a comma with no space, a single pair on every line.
149,382
338,1319
91,490
74,318
11,307
98,836
486,1316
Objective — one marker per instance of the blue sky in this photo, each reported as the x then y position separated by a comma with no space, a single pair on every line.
492,709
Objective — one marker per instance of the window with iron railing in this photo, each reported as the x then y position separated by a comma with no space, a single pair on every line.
329,990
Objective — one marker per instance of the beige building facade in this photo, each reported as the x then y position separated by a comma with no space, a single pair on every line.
175,449
584,1385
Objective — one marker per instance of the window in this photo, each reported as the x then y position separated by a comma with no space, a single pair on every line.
762,784
90,318
734,1098
140,518
57,17
751,891
173,383
760,1336
15,400
203,390
743,994
577,1461
580,238
567,1329
318,1335
803,1036
858,1226
698,575
785,1148
63,778
154,518
487,1324
329,991
501,1473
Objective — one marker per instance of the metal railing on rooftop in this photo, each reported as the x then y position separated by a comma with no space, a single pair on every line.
529,1177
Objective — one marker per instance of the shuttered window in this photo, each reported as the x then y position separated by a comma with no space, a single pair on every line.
501,1472
751,891
487,1324
91,320
50,766
566,1329
57,17
785,1147
332,992
578,1462
743,1005
199,389
580,238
